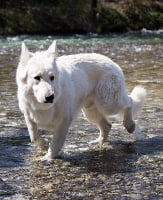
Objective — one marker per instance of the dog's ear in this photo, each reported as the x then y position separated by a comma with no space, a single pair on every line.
25,55
52,50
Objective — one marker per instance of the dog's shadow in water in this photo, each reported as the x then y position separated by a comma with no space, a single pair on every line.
120,158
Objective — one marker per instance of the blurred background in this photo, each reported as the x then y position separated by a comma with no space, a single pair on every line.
79,16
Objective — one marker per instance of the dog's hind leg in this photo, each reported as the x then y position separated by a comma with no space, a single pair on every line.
93,115
105,128
128,121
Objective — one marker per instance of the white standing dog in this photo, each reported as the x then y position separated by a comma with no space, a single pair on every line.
52,90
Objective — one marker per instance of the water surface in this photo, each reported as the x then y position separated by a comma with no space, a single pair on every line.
125,169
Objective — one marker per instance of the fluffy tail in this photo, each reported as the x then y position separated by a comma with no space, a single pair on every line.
138,96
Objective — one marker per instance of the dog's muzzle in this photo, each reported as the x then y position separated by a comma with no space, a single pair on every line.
49,99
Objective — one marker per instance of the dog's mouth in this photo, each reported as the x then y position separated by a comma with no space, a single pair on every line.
48,101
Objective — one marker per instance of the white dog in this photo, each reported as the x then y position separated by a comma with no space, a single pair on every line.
52,90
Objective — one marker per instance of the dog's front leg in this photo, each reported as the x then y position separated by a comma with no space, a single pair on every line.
33,133
58,139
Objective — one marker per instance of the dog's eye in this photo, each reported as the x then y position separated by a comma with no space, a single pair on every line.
37,78
51,78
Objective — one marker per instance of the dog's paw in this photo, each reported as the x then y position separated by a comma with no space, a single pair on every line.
100,141
129,126
49,156
47,159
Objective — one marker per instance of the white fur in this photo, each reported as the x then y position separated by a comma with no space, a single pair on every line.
91,82
138,95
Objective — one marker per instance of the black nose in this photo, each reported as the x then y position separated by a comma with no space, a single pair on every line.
49,99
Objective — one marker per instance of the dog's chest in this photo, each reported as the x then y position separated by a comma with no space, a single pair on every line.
43,118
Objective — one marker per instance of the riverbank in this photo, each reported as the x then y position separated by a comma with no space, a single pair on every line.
69,17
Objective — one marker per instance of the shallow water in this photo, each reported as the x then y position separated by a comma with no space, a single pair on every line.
125,169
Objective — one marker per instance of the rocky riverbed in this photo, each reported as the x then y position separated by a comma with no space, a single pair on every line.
123,169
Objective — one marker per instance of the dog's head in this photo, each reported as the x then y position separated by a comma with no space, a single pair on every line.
38,74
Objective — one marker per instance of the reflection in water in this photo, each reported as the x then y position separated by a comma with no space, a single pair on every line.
123,170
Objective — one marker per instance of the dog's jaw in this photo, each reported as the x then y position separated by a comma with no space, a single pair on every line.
34,104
